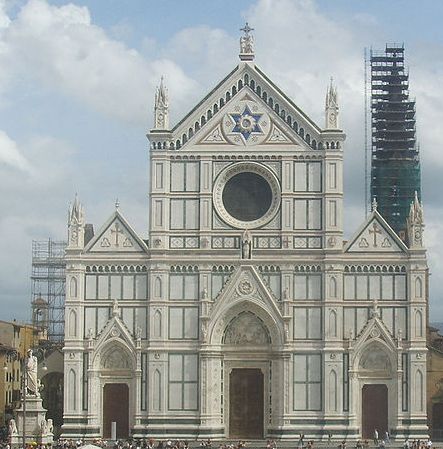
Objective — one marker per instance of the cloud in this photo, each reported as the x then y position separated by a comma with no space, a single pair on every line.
61,50
70,54
10,154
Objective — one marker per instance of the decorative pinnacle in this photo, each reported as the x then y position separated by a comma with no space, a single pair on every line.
117,204
374,204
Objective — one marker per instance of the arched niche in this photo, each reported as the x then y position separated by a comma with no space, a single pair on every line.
375,361
157,388
332,323
72,323
115,357
418,287
157,325
332,287
268,317
72,391
73,287
246,329
418,322
333,391
157,287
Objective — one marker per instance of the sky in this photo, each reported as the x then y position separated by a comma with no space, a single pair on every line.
77,83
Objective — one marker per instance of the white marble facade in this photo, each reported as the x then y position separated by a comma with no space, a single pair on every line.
268,283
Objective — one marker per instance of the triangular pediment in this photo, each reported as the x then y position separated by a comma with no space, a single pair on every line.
246,109
246,284
247,121
116,236
375,236
115,329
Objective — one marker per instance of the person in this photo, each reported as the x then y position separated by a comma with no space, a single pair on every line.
376,437
387,437
381,445
406,444
359,445
31,374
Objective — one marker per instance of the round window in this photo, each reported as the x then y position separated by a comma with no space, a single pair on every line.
247,195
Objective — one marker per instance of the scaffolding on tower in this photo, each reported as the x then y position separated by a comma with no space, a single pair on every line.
395,163
48,287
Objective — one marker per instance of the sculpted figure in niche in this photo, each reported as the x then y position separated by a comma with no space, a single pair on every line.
246,245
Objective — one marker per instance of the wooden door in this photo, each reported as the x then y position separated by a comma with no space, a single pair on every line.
116,408
374,402
246,403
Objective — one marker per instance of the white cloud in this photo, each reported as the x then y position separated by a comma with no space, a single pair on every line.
62,49
11,155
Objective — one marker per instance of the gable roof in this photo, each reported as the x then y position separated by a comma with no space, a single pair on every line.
116,236
375,236
245,75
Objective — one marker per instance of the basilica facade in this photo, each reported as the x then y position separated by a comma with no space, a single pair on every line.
245,314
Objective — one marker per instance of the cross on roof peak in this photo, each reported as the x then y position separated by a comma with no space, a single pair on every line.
246,29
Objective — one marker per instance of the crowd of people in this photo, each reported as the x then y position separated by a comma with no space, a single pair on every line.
150,443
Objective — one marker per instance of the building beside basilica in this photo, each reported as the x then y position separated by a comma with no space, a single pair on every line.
246,314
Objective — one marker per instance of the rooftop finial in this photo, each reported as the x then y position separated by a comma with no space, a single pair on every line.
374,204
331,108
246,44
117,204
161,108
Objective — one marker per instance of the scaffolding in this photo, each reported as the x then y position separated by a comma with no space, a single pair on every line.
395,163
48,287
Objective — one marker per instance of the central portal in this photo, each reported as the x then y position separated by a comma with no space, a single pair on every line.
116,409
246,403
374,410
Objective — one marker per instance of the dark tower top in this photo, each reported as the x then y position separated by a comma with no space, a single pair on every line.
395,165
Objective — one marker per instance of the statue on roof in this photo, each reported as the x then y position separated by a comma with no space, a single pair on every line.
246,44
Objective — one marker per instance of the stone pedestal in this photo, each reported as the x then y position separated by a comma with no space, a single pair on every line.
36,427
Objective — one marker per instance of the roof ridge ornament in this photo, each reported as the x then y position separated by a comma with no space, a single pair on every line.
161,107
246,44
331,106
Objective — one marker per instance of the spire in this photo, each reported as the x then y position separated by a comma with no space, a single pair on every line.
246,44
161,108
331,107
76,225
415,224
76,212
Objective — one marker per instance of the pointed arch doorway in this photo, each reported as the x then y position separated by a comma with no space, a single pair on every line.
374,410
116,409
246,394
246,345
